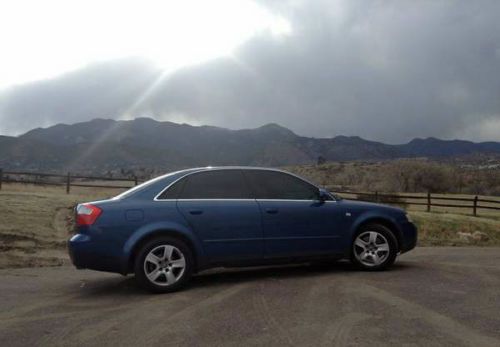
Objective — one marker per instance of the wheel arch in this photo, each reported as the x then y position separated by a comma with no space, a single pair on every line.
141,237
382,220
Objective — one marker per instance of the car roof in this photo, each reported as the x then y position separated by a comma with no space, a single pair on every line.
208,168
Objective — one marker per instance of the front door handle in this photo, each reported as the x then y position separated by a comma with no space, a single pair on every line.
196,212
271,210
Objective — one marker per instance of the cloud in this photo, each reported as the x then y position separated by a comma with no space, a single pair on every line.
487,127
386,70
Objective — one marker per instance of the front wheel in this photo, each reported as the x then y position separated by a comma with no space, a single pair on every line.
374,248
163,265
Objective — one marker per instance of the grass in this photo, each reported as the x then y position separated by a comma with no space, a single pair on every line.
441,229
36,222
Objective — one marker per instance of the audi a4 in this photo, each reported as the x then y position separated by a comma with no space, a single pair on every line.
178,224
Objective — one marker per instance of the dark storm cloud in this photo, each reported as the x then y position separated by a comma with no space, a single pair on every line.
99,90
384,70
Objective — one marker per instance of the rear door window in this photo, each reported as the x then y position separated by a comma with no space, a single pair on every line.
279,185
218,184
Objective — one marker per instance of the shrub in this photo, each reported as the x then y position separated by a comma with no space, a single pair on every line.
383,199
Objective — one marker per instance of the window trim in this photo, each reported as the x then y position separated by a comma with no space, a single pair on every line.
242,169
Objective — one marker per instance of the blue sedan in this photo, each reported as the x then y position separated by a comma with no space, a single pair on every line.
170,227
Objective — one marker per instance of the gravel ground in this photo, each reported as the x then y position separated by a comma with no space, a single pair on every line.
432,296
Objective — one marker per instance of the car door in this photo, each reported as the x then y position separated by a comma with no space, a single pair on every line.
218,207
294,220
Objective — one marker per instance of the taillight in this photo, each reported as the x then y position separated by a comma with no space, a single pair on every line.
86,214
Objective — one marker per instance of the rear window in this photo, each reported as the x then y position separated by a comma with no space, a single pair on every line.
167,177
173,191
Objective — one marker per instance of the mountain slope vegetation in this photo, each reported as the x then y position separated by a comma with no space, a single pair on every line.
105,145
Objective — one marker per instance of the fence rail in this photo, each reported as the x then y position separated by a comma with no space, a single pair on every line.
67,180
430,200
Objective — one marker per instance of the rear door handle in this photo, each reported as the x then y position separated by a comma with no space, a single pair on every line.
196,212
271,210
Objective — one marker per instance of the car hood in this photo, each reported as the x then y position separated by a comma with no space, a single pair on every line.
370,205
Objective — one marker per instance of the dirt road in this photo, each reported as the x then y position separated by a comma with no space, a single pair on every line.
432,296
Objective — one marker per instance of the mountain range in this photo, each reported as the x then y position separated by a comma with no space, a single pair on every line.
102,145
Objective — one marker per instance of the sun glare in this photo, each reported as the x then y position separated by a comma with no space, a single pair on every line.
41,39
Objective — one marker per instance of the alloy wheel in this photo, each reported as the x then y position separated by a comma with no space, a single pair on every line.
164,265
371,248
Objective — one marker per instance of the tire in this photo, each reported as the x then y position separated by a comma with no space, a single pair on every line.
164,265
380,248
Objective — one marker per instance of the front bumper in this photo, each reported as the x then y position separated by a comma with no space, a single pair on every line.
87,253
409,236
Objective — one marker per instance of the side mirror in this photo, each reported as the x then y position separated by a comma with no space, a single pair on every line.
324,195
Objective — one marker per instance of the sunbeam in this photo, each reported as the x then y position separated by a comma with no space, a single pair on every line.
126,115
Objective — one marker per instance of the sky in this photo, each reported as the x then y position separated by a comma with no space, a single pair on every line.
42,39
384,70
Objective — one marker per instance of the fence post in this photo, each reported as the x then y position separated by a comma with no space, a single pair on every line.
376,196
1,178
474,207
135,180
428,201
68,183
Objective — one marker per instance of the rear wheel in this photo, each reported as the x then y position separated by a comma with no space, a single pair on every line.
164,265
374,248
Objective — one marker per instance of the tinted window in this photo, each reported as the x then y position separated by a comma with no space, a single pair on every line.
223,184
277,185
168,178
173,191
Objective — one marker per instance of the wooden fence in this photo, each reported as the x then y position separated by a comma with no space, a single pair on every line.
428,200
68,180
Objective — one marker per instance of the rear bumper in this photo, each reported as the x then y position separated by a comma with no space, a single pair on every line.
86,253
409,236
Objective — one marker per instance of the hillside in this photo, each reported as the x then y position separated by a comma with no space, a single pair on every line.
103,145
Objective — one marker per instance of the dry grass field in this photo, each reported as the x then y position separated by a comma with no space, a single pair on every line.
443,229
36,222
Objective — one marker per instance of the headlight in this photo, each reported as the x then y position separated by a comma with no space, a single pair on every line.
408,217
